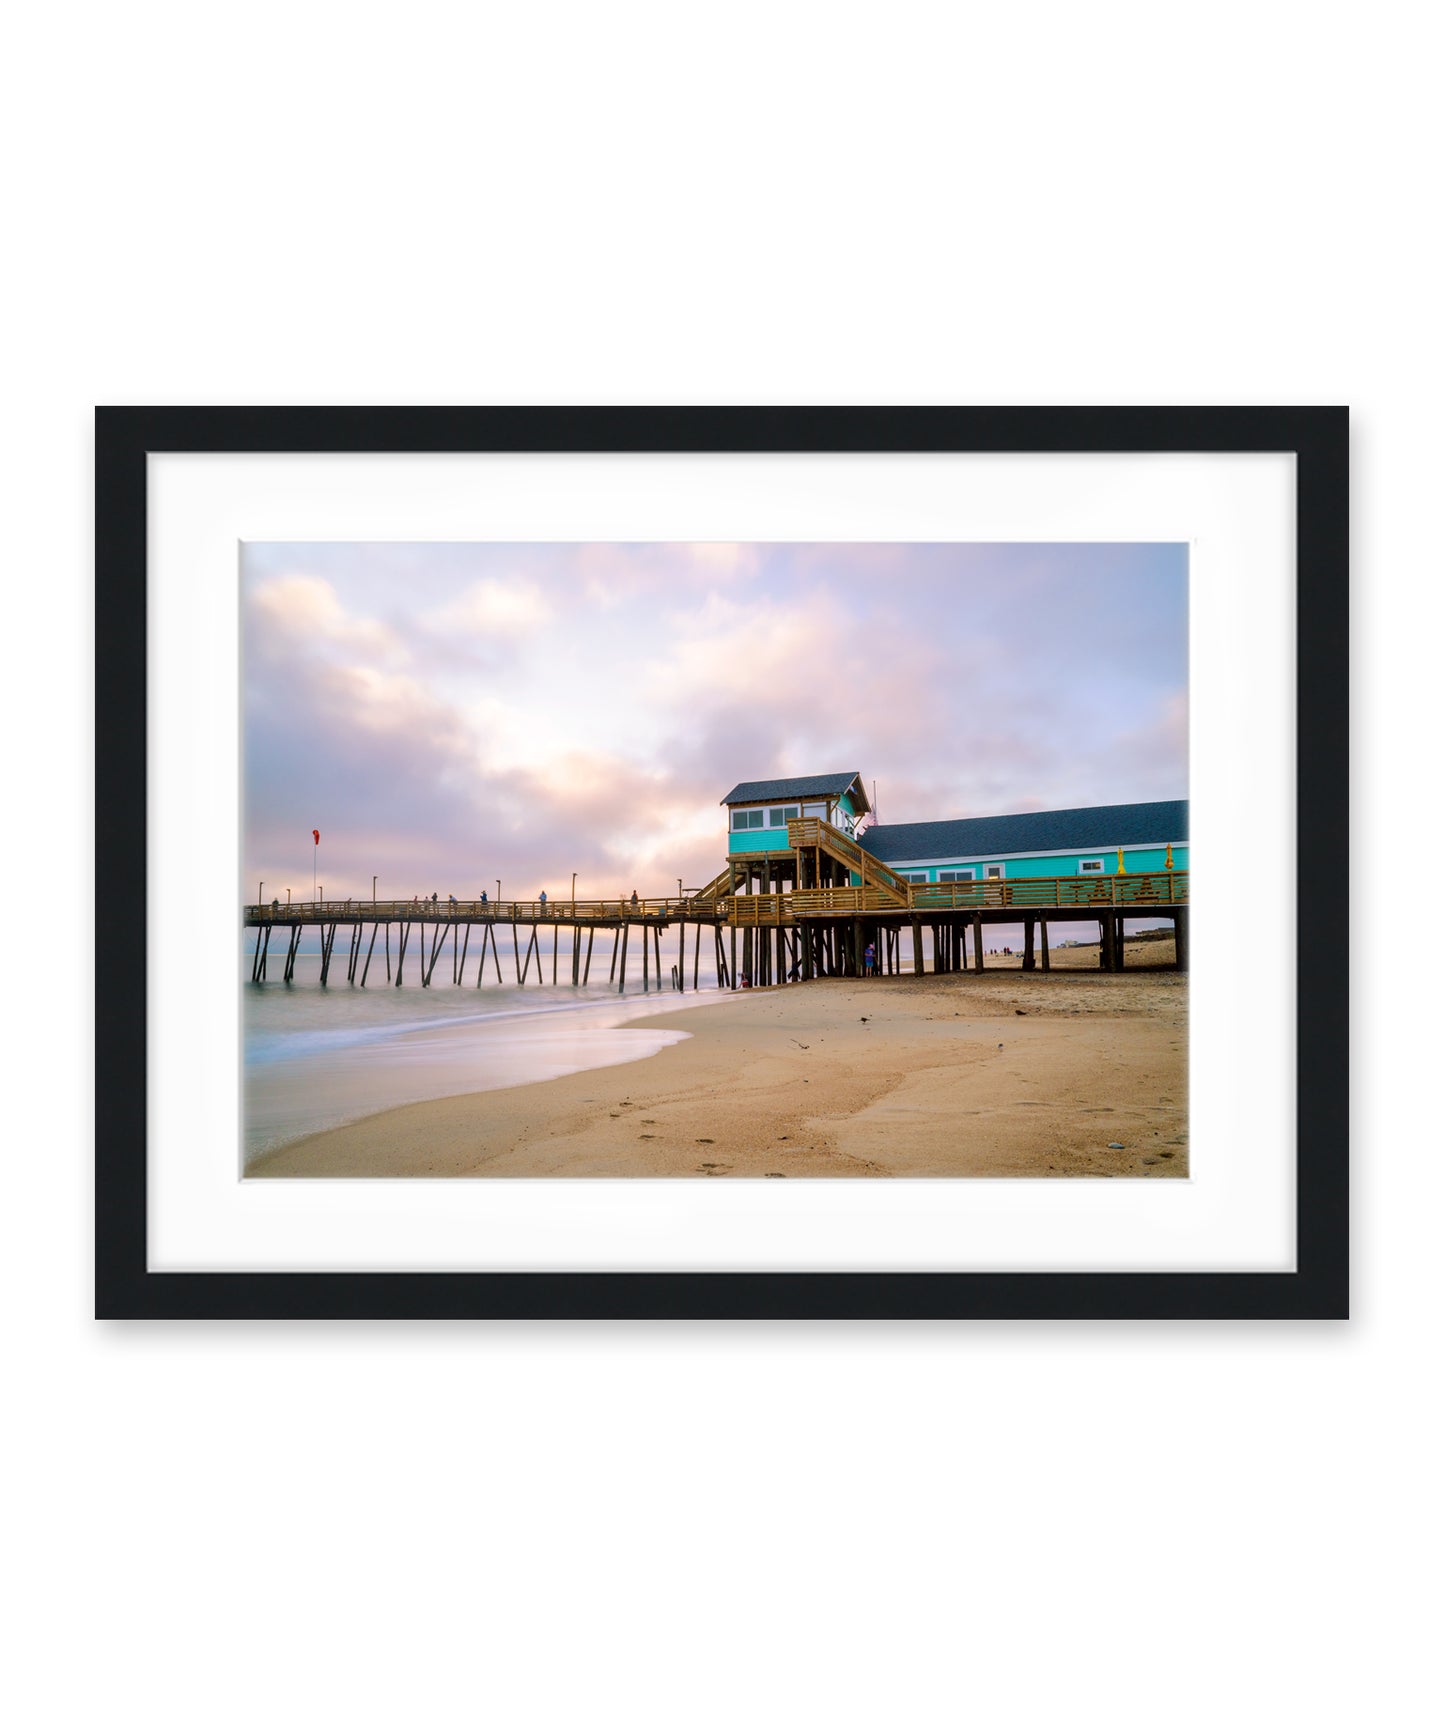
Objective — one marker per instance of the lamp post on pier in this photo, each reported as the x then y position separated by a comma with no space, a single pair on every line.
373,889
574,893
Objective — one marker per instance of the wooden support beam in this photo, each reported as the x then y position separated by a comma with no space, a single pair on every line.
978,941
439,939
256,958
1028,942
617,935
622,977
460,969
554,958
646,962
403,935
1181,939
386,941
657,952
516,954
681,956
1044,943
587,967
696,948
917,946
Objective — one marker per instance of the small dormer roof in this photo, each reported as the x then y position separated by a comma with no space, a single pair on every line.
800,789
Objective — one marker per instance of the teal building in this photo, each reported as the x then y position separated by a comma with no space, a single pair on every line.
1136,837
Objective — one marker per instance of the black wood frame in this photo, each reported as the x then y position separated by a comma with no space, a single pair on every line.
126,1288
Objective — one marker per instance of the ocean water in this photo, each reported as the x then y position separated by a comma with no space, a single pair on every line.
314,1057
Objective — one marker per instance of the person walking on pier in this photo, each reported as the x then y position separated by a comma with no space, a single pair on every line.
482,899
543,901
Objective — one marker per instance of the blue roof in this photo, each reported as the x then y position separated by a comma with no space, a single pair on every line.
797,789
1068,830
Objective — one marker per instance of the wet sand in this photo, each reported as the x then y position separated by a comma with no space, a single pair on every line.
1003,1074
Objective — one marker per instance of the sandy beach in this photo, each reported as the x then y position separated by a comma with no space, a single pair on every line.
1003,1074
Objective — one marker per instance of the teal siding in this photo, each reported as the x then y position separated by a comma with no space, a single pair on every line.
773,842
1056,866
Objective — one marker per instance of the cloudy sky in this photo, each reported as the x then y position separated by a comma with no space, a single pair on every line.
449,714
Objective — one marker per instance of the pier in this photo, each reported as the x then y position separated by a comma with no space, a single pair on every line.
767,936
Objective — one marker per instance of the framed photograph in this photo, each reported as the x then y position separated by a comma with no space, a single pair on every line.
807,863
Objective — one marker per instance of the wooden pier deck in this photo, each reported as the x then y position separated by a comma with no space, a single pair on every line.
783,936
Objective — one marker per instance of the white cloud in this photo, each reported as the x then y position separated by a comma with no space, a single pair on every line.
308,611
494,608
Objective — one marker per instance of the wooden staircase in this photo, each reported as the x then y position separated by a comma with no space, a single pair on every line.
839,846
714,889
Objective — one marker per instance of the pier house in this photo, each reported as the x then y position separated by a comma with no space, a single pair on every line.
760,855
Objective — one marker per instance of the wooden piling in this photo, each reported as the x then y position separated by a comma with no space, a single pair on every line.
622,976
587,967
696,949
617,935
386,941
460,969
1028,962
978,942
1181,939
365,968
1044,942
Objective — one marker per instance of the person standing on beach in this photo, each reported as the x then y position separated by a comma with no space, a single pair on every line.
869,958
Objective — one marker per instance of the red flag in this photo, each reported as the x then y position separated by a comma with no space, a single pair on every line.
316,835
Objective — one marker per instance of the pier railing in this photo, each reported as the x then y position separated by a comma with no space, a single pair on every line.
611,909
1107,891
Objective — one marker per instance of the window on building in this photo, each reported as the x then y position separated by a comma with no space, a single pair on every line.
951,875
921,878
745,819
1094,864
994,872
815,810
781,815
